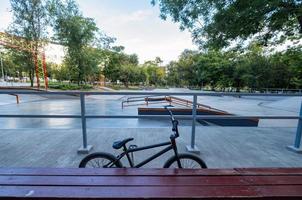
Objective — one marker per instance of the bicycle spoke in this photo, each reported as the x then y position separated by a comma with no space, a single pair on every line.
186,164
97,163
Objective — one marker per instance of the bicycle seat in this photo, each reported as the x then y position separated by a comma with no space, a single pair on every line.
119,144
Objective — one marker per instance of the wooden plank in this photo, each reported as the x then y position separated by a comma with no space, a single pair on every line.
280,192
141,192
39,183
147,172
149,180
116,171
123,180
269,171
274,180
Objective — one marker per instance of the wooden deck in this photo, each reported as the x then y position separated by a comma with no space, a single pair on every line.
51,183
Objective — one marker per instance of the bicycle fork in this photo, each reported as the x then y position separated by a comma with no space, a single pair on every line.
173,142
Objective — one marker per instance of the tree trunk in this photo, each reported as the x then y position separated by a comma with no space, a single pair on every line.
126,83
31,77
300,22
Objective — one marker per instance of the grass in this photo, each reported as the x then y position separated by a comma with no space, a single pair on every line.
122,87
135,87
68,86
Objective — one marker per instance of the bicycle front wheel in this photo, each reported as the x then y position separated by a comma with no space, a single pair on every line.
188,161
100,160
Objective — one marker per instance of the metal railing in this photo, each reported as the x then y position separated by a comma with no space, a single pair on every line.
192,147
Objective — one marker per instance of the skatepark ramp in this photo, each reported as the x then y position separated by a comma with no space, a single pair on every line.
155,99
184,107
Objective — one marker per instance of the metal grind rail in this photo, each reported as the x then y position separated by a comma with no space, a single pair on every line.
192,147
155,99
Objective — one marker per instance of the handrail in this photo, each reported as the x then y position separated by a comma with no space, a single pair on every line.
150,93
137,99
169,99
86,148
198,104
17,98
155,116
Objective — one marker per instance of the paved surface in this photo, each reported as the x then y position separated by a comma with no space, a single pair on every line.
54,142
220,147
111,105
12,84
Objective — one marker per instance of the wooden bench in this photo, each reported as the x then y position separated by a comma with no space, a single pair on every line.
220,184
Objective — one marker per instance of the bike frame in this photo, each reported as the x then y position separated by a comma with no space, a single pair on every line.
170,145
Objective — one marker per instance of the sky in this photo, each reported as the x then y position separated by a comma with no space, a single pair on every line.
135,24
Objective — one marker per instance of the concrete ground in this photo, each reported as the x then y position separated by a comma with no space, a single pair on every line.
54,142
221,147
111,105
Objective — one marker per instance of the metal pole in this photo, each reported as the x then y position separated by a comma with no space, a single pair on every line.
86,148
2,68
44,70
299,130
297,143
35,54
192,147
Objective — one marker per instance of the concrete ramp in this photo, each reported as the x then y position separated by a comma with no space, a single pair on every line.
288,104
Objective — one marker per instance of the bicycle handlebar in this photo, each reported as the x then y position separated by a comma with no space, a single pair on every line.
173,120
170,112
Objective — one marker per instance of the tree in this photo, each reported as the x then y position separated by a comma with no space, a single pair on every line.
158,61
218,23
128,74
61,73
9,61
173,76
215,69
75,32
155,74
30,21
122,67
288,65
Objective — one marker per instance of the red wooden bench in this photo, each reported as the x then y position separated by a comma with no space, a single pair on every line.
221,184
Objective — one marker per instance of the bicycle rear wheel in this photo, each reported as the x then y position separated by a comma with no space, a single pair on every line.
188,161
100,160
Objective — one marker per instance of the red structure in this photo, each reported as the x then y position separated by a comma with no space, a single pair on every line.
23,44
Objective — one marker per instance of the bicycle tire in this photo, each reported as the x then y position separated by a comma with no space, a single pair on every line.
106,158
198,162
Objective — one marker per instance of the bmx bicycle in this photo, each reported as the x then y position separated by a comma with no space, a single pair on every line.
178,160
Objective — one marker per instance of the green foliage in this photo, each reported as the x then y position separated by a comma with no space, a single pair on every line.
218,23
124,68
288,66
253,69
213,23
69,86
79,34
13,63
61,73
30,21
155,75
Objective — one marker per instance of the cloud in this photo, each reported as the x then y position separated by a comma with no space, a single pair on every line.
137,26
136,16
144,33
5,20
